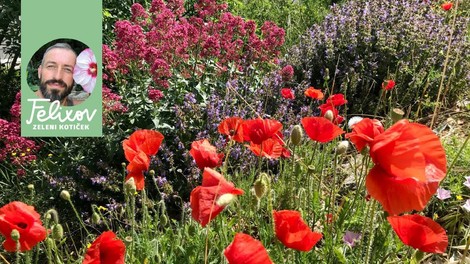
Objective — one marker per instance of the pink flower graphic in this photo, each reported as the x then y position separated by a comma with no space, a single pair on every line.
85,70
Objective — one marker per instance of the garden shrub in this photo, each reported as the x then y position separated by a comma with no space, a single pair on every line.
362,43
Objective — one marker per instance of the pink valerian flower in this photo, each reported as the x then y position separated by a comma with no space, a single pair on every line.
442,194
155,95
15,110
139,14
16,149
287,73
165,44
85,70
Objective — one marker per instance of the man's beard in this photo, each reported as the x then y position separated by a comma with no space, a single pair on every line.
55,94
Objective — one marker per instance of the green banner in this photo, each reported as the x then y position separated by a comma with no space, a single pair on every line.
61,59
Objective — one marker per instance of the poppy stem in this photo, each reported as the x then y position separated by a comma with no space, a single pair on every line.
458,155
370,241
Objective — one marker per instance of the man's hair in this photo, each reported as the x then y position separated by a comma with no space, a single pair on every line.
58,46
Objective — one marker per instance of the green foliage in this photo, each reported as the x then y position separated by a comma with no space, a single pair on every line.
294,16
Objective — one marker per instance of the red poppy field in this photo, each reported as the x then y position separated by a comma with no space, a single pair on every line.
230,140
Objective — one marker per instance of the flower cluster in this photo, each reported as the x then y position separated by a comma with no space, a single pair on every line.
162,36
360,43
14,148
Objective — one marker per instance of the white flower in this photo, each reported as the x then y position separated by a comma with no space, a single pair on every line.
85,70
442,194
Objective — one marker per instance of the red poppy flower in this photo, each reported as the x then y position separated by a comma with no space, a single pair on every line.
287,93
205,154
314,93
388,85
447,6
420,232
106,249
321,129
148,141
259,130
336,100
232,127
409,164
246,250
293,232
209,199
364,132
324,108
270,149
137,149
22,217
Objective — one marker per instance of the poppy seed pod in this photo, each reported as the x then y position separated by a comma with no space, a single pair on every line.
65,195
296,135
329,115
15,235
397,114
57,232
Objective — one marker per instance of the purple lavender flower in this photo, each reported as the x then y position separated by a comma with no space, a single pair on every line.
442,194
350,238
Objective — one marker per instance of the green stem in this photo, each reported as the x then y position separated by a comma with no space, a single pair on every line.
78,217
371,232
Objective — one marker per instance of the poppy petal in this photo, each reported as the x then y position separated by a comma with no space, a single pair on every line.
420,232
106,249
399,195
246,250
321,129
204,199
410,150
23,218
293,232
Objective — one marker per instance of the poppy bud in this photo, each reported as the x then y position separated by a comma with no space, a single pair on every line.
15,235
123,165
163,219
49,242
129,186
342,147
261,185
329,115
296,135
51,213
31,187
65,195
397,114
57,232
95,218
151,173
326,75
